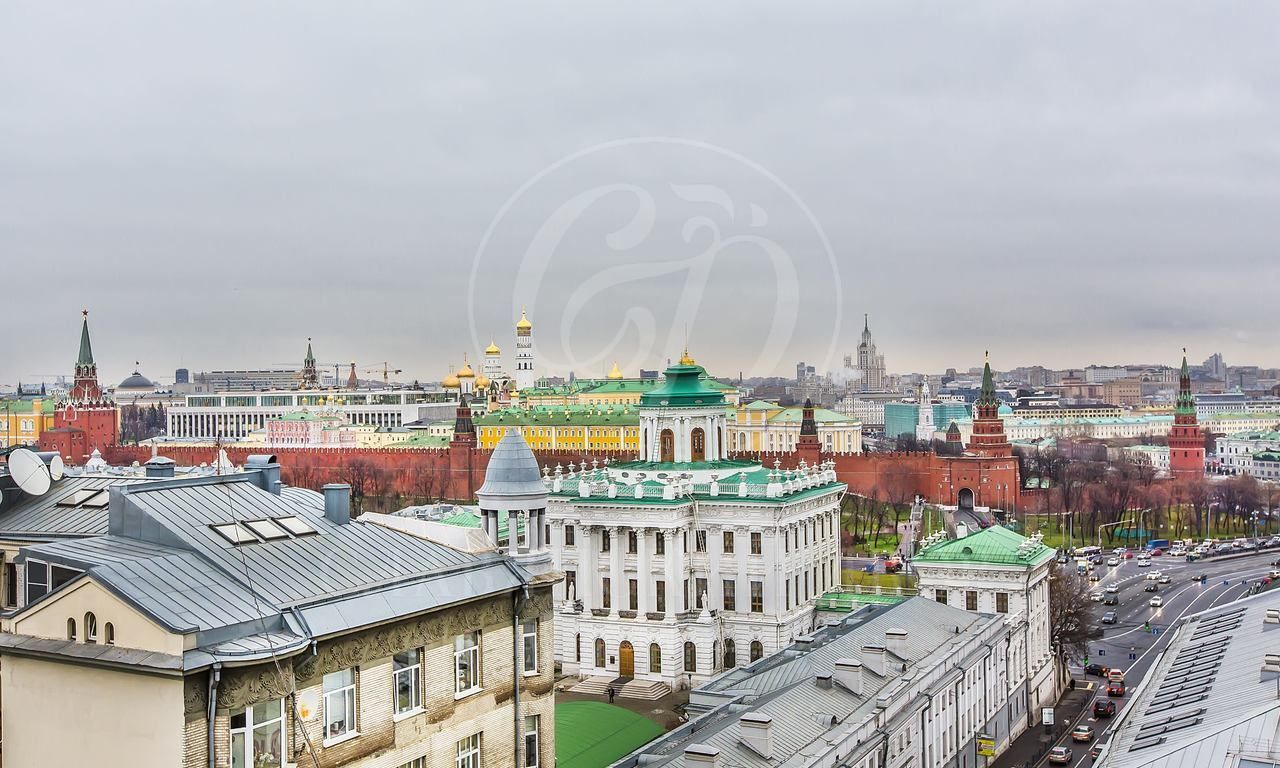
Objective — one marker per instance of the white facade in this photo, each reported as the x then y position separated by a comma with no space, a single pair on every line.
925,427
1018,591
525,377
234,416
1235,452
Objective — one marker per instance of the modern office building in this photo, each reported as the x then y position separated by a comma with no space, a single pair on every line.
234,416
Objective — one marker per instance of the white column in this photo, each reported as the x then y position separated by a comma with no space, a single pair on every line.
513,539
715,549
588,572
616,571
556,545
643,577
742,555
670,574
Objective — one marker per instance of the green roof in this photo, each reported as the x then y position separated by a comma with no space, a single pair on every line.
26,406
423,441
1271,456
685,386
306,416
468,519
86,349
562,415
820,415
993,546
592,734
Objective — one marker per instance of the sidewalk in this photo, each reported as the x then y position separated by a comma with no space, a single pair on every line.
1031,747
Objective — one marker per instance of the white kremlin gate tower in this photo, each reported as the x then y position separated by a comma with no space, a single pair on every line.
683,563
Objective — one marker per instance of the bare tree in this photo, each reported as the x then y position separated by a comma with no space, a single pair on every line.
1070,621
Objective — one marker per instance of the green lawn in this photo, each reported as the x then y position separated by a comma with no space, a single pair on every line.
592,734
851,577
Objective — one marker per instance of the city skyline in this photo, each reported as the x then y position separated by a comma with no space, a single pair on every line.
1046,186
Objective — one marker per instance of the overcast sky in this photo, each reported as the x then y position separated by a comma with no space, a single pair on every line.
1062,183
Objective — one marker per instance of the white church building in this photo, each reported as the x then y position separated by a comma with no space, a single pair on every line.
683,563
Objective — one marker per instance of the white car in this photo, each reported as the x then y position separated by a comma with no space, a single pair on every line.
1118,551
1095,596
1113,561
1156,601
1153,576
1144,563
1113,588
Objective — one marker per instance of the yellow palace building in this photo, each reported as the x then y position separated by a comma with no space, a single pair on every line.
23,421
565,427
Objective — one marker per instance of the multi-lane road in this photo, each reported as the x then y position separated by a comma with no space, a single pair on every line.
1129,645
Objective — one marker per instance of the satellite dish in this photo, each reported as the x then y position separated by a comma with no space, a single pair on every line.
54,462
29,472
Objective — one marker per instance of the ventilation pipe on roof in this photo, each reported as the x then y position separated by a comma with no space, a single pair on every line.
895,640
337,503
873,659
159,467
848,673
268,477
701,756
756,731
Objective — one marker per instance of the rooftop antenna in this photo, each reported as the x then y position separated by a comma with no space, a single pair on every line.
29,472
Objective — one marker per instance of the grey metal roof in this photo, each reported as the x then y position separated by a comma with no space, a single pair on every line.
39,518
783,686
512,469
163,556
1207,698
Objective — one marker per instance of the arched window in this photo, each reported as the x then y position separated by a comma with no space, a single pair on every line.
109,634
757,650
71,629
730,655
655,658
90,628
690,657
577,648
600,653
666,446
698,444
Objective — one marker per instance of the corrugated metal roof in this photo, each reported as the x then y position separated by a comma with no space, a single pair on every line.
1239,713
163,556
36,518
783,686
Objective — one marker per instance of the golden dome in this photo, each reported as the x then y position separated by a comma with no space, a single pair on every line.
685,359
465,371
450,381
482,382
524,324
616,372
492,349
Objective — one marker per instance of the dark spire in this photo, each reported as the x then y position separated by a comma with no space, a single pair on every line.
808,426
86,349
1186,402
866,322
988,396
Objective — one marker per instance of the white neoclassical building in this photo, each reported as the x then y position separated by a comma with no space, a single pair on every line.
683,563
998,571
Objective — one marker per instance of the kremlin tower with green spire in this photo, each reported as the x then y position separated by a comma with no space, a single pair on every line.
988,437
1186,443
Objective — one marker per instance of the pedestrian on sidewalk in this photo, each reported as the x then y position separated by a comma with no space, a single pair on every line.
611,693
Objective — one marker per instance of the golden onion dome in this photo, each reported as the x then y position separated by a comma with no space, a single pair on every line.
685,359
616,372
450,381
524,324
482,381
465,371
492,349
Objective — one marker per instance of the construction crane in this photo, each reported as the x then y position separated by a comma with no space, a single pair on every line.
387,370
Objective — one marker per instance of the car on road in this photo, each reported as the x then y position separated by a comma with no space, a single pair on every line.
1157,552
1095,596
1113,588
1094,751
1095,669
1115,675
1095,576
1144,562
1165,579
1118,551
1104,708
1082,733
1153,576
1113,561
1201,577
1111,600
1223,548
1152,587
1060,756
1109,617
1274,574
1249,546
1115,689
1193,556
1156,602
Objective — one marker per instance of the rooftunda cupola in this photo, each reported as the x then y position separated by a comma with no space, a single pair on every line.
514,490
683,419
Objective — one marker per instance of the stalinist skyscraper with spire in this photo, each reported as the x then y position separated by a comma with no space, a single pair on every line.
870,363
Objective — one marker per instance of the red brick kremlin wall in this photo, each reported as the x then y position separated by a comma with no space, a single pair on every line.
444,472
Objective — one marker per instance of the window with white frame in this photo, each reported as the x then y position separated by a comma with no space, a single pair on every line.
529,645
257,736
466,663
340,703
417,762
531,740
468,753
407,671
37,580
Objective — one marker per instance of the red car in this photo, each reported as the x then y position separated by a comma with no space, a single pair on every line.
892,565
1128,555
1157,552
1115,689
